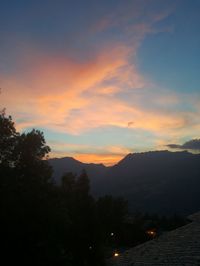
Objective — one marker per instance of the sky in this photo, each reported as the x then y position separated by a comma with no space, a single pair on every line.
104,78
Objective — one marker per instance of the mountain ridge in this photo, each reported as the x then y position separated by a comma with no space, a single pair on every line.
152,181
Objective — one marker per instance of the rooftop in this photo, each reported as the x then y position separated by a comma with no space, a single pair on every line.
178,247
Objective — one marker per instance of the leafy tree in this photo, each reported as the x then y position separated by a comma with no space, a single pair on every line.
42,223
83,185
8,139
111,213
27,206
68,183
80,207
23,153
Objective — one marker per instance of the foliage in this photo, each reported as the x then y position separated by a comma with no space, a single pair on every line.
8,137
111,214
42,223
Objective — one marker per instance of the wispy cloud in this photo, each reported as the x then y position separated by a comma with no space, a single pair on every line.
52,89
192,145
68,94
108,155
73,97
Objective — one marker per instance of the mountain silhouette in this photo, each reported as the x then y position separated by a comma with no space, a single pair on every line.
158,181
69,164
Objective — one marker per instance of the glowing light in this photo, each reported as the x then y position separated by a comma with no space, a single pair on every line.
116,254
112,234
151,233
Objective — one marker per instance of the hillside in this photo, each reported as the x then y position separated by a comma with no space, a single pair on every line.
159,181
69,164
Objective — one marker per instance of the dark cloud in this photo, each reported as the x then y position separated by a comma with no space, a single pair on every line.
130,123
193,144
173,146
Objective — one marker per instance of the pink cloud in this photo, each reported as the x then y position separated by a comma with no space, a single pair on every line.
67,96
50,89
70,96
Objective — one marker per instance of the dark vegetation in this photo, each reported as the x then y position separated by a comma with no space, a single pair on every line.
43,223
159,182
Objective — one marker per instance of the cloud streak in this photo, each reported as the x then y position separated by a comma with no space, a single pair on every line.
192,145
108,155
71,94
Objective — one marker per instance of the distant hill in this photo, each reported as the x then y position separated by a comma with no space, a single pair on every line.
69,164
158,181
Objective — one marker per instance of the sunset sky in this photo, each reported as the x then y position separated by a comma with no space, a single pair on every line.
102,78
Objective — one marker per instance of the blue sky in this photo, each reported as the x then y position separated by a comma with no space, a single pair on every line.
102,78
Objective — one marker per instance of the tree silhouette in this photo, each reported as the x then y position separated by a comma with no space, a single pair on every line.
111,213
27,206
42,223
8,140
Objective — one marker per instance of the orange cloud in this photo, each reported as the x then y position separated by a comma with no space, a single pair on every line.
108,155
81,101
51,89
70,96
106,159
